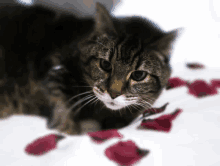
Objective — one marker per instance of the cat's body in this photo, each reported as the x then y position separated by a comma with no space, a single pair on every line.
49,58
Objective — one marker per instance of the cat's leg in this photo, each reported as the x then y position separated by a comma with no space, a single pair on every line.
89,125
6,107
61,117
63,120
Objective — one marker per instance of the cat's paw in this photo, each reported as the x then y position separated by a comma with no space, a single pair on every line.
6,112
52,123
69,127
89,126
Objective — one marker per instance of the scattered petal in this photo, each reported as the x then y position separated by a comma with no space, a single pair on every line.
101,136
152,111
195,66
200,88
162,123
175,82
215,83
43,144
125,153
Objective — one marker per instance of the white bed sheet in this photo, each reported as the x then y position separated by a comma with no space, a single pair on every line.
193,139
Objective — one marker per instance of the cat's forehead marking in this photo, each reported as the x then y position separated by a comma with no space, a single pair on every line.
128,49
106,49
124,49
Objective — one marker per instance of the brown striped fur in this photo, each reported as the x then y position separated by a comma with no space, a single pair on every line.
46,59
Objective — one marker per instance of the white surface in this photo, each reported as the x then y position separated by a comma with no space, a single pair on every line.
193,140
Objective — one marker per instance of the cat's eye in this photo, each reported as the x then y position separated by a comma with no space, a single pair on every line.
138,75
105,65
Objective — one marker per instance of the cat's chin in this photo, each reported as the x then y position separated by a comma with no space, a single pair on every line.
113,106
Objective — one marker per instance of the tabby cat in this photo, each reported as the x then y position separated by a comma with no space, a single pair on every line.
82,74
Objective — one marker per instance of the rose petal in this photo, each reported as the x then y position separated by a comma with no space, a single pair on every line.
152,111
101,136
200,88
125,153
195,66
43,144
162,123
215,83
175,82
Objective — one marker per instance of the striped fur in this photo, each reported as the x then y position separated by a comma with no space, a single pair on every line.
52,66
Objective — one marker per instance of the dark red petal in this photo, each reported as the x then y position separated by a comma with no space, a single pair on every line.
175,82
125,153
200,88
215,83
152,111
100,136
43,144
162,123
195,66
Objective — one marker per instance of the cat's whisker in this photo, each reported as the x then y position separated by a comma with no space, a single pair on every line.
146,97
151,100
139,109
143,96
142,105
96,101
145,102
142,100
102,106
120,112
81,86
94,97
79,95
80,101
129,108
148,104
135,106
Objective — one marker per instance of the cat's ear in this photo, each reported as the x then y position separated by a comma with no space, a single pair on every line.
103,20
165,44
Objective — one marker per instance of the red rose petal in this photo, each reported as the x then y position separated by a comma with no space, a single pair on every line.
195,66
163,123
152,111
101,136
125,153
43,144
200,88
215,83
175,82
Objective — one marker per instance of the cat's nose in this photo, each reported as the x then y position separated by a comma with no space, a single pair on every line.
115,88
114,94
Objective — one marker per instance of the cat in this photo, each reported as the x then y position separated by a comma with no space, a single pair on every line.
83,74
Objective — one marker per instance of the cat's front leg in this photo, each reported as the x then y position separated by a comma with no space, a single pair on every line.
61,117
6,109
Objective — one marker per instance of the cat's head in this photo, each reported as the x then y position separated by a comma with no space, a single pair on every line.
123,69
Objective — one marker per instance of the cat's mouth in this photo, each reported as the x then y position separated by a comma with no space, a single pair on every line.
114,104
111,103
